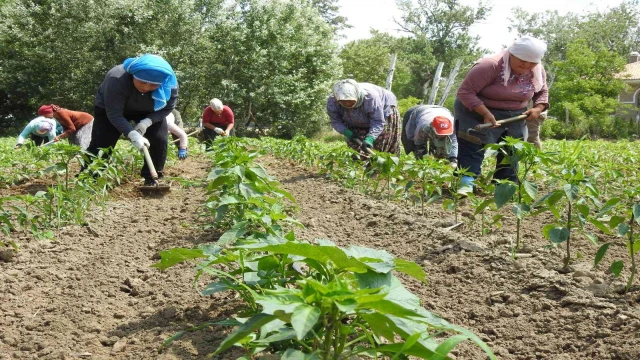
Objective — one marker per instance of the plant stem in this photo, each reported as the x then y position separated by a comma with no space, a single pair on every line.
518,220
568,258
633,258
356,340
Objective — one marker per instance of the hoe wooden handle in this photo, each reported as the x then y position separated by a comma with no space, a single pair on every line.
147,158
501,122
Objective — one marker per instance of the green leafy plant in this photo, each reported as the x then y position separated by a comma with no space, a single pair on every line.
328,302
625,226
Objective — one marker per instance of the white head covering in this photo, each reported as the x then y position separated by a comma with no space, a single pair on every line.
216,104
529,49
349,89
44,126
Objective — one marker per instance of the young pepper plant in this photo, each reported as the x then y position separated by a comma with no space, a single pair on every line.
348,300
526,157
626,226
571,203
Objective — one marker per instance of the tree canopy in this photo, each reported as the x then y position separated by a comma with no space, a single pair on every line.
271,60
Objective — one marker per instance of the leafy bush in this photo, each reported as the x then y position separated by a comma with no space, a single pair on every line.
553,129
406,103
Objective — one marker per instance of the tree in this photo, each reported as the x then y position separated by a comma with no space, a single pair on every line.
445,24
441,28
328,9
616,29
586,84
59,51
273,60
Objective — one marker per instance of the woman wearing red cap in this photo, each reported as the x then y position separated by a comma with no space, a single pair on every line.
76,125
44,126
432,126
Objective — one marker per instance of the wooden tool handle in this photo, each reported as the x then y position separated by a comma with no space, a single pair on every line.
359,142
147,158
501,122
195,132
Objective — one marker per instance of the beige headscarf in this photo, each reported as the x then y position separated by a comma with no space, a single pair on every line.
349,89
529,49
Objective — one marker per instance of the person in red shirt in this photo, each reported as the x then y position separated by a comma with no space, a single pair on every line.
217,119
77,126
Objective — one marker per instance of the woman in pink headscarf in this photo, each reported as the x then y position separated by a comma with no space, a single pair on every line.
499,87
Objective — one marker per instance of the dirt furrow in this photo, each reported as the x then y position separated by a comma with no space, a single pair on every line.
524,309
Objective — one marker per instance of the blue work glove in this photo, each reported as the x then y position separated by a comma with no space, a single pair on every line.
182,154
348,134
367,143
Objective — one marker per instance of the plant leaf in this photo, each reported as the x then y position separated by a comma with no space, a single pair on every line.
610,204
615,221
238,229
531,189
602,250
251,325
571,191
411,268
171,257
616,267
504,193
214,287
599,225
483,206
623,229
303,319
446,346
636,213
592,237
558,234
633,248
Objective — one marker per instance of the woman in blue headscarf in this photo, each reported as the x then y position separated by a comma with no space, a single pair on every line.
143,90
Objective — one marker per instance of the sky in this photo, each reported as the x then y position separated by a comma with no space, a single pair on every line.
493,32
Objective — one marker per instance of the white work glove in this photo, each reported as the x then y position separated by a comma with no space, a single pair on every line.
138,140
219,131
143,125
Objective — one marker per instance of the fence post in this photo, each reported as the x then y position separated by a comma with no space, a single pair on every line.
452,78
436,83
392,68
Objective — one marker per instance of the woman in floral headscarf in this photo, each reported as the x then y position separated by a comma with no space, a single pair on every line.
367,112
499,87
144,90
44,126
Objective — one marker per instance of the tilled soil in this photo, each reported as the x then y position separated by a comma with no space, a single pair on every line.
92,294
524,309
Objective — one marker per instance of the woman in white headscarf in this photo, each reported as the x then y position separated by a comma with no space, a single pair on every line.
367,112
499,87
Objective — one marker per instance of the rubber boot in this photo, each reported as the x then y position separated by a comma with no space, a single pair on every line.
466,184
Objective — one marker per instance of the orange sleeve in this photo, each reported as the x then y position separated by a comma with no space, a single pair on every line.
64,119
